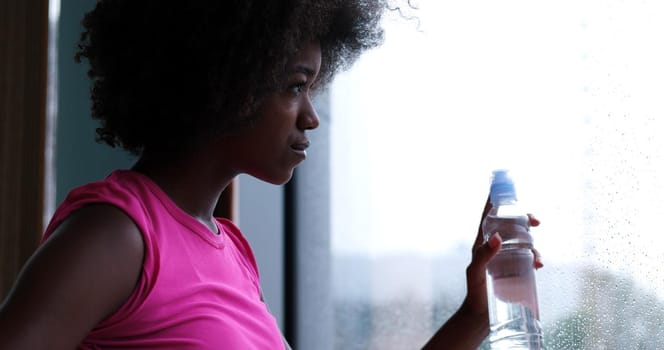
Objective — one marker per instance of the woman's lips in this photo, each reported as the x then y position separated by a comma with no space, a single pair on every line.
300,146
300,149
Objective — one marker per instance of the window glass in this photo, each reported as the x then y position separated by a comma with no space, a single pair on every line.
51,112
569,95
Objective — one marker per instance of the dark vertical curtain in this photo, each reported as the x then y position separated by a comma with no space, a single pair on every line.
23,72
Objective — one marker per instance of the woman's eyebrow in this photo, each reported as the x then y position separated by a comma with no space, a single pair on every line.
303,69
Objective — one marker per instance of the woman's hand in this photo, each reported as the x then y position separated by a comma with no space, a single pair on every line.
468,327
476,302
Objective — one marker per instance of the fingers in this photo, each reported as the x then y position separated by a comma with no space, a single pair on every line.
488,250
538,259
481,258
476,275
479,239
533,220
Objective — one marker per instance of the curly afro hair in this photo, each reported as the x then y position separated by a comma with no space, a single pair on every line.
167,74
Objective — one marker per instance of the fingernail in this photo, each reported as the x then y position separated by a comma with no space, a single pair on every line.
495,240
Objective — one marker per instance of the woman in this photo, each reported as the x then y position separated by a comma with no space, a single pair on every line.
200,91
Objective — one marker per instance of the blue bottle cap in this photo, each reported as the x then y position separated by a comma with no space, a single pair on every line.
502,187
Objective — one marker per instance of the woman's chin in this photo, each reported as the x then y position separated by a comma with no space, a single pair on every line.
276,179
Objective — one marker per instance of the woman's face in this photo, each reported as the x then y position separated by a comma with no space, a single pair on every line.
272,146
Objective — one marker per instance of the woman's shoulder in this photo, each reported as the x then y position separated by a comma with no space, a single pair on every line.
83,273
121,192
99,227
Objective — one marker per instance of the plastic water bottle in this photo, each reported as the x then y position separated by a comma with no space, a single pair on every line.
512,295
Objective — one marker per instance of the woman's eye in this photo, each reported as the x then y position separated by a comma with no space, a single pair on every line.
297,88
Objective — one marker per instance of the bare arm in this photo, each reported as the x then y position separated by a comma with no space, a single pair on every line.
83,273
468,327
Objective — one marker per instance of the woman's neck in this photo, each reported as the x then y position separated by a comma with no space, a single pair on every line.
192,182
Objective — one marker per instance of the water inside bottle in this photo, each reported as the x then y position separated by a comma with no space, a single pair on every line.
513,310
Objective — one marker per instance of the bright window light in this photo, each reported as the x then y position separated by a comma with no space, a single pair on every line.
569,95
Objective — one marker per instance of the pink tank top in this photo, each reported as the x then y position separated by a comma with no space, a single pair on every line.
197,290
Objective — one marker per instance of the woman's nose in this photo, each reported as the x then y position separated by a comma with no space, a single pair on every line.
308,118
